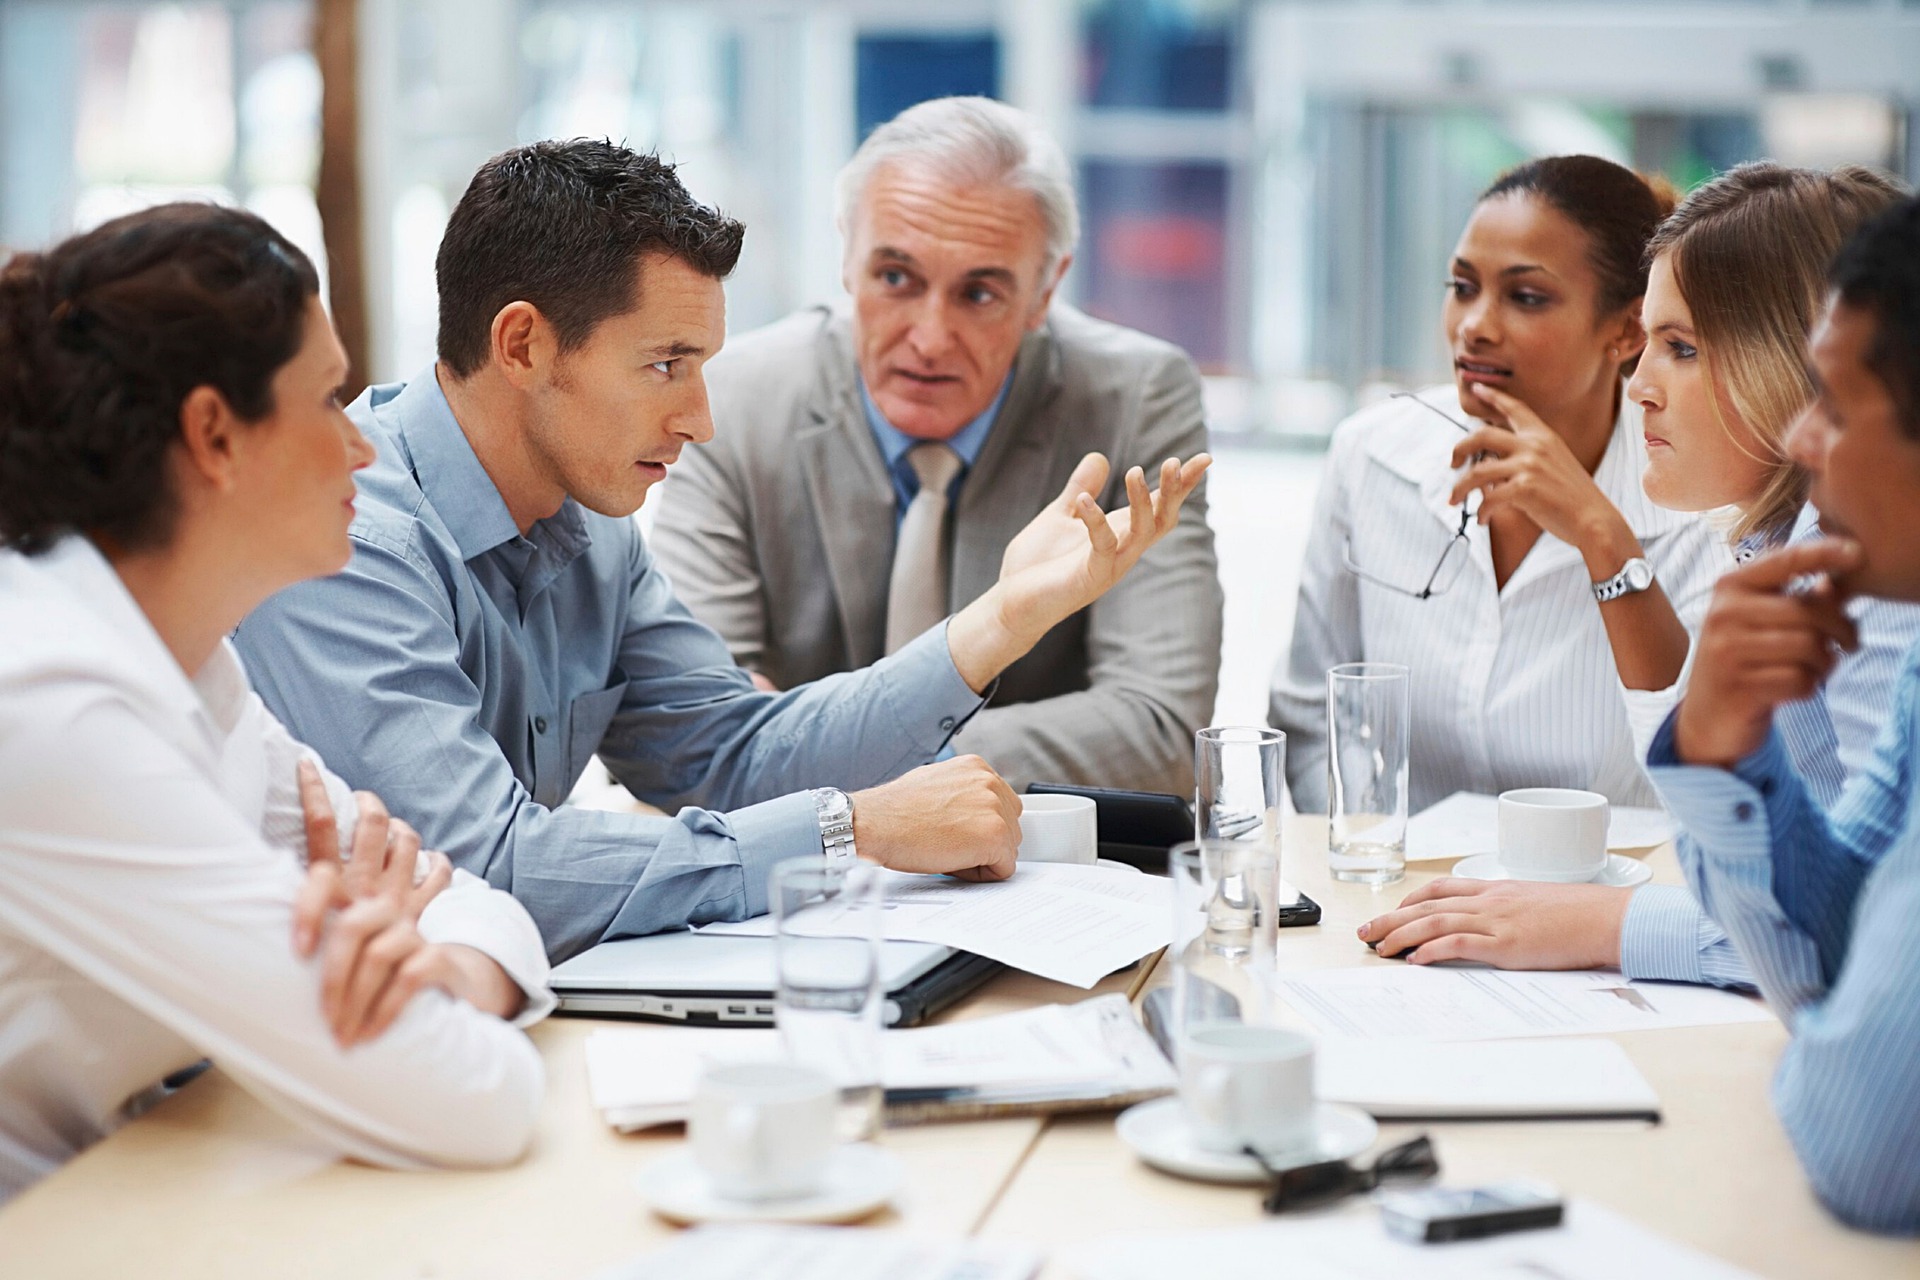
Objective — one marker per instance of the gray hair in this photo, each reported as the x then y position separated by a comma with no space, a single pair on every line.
972,140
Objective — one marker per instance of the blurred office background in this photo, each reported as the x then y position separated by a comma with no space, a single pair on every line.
1273,184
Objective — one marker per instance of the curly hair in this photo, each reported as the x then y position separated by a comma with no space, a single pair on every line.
101,340
1878,271
561,225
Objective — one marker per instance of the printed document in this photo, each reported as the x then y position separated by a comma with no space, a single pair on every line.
1070,923
1465,823
1486,1079
1414,1002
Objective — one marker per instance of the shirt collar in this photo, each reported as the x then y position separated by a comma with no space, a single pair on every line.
967,442
459,489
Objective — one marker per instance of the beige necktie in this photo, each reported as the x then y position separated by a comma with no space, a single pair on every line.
917,594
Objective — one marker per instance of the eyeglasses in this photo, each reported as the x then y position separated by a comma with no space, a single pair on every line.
1451,560
1313,1185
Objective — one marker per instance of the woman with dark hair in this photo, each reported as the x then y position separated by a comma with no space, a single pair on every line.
1522,592
172,453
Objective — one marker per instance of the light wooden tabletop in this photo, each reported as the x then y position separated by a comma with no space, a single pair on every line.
211,1184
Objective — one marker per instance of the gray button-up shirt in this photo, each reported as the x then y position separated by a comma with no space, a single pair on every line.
466,673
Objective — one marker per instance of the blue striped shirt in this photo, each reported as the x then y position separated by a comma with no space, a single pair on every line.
1825,909
1830,738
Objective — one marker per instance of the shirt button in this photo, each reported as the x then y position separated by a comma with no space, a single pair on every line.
946,724
1743,812
539,724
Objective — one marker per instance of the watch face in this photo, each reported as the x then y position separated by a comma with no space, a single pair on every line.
833,806
1639,575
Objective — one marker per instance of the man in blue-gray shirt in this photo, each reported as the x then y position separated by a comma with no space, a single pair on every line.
1825,907
502,621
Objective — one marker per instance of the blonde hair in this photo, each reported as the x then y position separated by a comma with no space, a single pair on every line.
1749,252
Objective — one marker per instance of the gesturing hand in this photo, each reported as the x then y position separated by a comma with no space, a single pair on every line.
1510,924
1528,468
1071,553
1772,634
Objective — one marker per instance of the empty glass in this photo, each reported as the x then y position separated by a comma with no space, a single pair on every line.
1237,772
1225,922
828,925
1368,723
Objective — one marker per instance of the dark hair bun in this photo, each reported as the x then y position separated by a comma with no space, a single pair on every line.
103,337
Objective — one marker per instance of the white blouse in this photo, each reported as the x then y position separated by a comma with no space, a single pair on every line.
151,847
1512,686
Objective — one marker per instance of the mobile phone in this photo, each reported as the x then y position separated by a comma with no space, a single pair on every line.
1436,1214
1138,827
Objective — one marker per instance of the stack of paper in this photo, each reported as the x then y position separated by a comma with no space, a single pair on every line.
1071,923
1465,823
826,1253
1486,1080
1048,1058
1423,1002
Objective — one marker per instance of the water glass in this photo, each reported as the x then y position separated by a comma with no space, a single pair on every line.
1225,926
1237,772
828,925
1368,724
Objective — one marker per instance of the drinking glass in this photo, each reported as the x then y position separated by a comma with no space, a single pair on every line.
1225,922
1237,788
828,925
1368,722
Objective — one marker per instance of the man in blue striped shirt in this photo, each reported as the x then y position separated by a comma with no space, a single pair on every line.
1825,908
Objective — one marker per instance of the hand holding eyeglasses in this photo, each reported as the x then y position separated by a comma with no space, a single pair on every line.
1526,467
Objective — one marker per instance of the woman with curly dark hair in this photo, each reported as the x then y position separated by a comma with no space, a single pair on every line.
172,453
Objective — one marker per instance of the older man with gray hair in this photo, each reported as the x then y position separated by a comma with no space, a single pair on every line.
872,462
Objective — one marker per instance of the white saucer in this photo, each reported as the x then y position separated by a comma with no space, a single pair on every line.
1621,872
860,1179
1117,865
1158,1133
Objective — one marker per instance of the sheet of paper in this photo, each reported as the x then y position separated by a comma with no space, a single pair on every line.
1568,1077
1594,1243
1414,1002
826,1253
1070,923
1465,823
641,1076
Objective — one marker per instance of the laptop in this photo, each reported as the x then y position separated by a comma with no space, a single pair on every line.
714,980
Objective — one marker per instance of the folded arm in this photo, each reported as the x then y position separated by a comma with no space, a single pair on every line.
144,878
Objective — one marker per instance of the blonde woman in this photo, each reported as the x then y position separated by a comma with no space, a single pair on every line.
1737,277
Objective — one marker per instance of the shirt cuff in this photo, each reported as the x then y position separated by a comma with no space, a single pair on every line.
767,834
924,672
471,913
1726,811
1661,935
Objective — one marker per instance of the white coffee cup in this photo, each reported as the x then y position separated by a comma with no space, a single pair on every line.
1247,1086
763,1130
1059,829
1553,833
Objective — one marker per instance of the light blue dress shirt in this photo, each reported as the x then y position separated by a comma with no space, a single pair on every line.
467,674
894,444
1826,911
1830,738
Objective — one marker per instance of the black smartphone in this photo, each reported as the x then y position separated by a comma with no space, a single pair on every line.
1432,1215
1138,827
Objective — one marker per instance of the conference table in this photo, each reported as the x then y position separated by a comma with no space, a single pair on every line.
212,1184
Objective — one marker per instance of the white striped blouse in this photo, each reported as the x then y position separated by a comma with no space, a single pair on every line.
1511,686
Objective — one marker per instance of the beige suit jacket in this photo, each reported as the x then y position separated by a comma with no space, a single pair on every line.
779,534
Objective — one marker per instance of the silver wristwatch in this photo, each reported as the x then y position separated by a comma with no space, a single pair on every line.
1635,575
834,808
